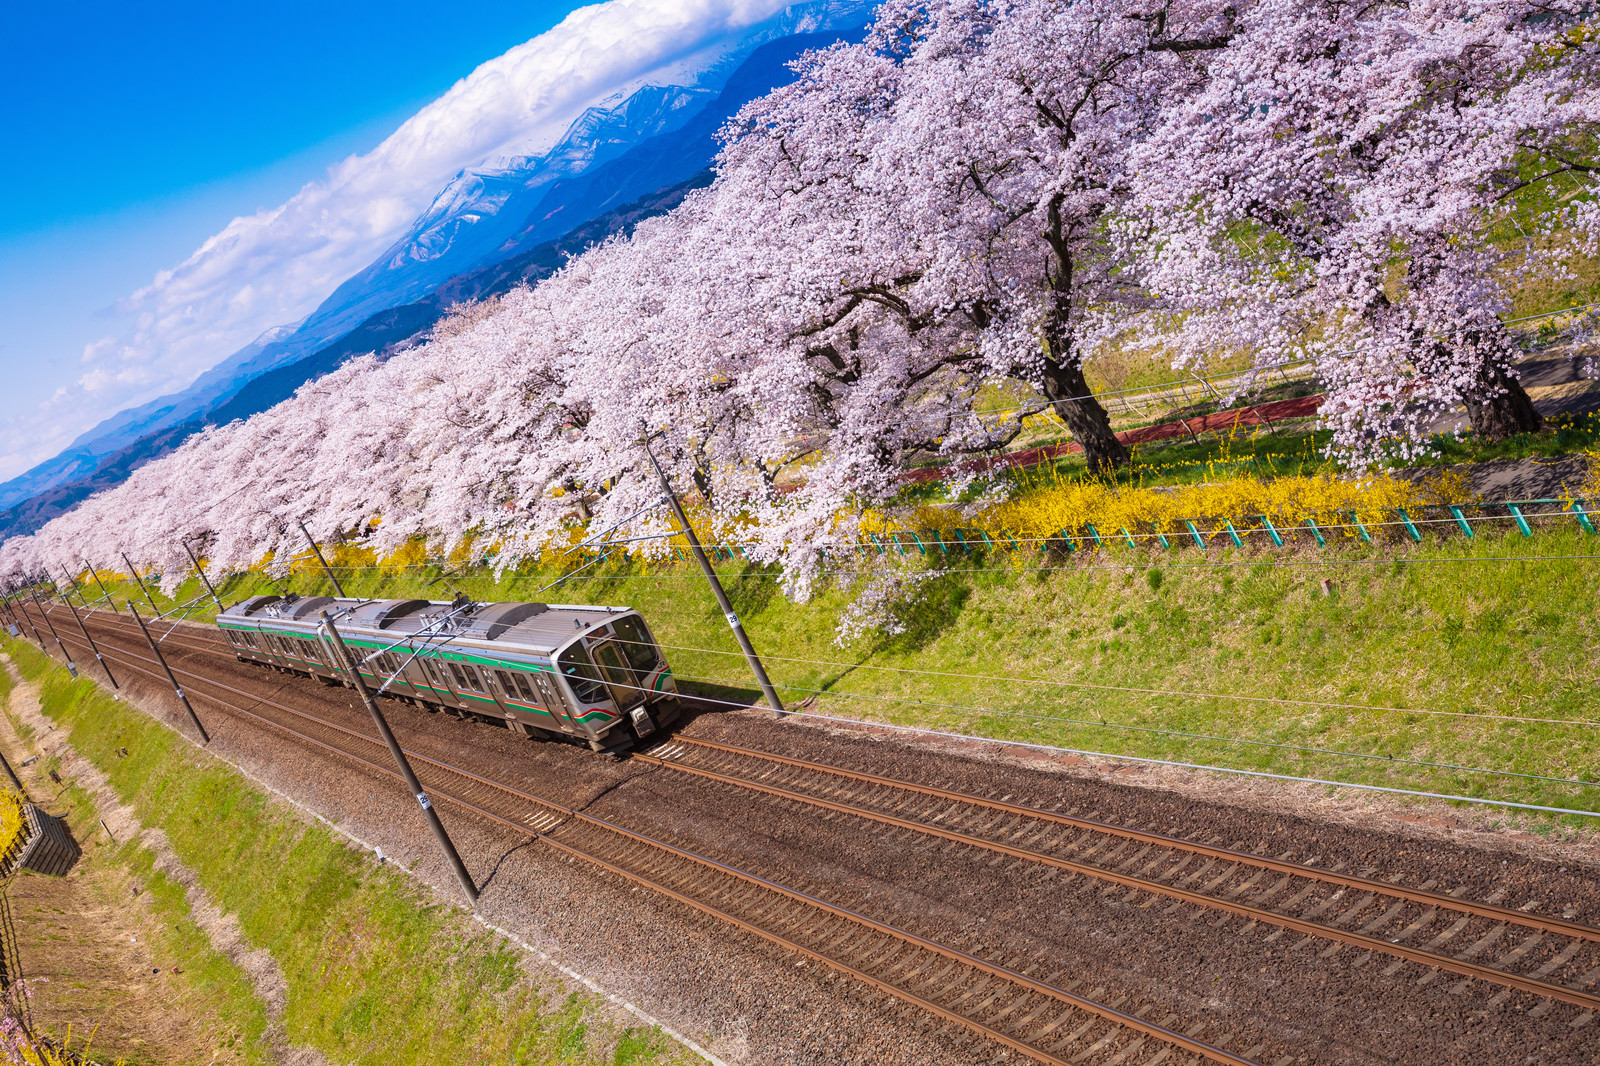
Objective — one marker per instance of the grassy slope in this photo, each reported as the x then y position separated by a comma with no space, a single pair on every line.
1450,625
376,973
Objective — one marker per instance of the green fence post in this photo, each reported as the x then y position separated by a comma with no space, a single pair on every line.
1461,520
1583,516
1410,526
1522,523
1315,532
1195,533
1272,531
1360,529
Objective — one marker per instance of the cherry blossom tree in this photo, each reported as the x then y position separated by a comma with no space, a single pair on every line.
979,193
1351,183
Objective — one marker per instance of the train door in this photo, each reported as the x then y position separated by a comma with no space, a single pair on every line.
619,676
549,696
626,686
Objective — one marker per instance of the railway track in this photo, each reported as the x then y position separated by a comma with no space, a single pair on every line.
1552,958
1542,955
1047,1022
1556,959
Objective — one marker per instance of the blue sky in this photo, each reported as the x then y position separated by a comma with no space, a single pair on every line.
182,176
135,131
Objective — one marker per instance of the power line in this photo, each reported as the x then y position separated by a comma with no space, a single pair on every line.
1102,724
1199,766
1139,691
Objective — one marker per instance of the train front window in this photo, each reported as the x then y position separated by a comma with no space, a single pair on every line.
636,644
624,686
580,674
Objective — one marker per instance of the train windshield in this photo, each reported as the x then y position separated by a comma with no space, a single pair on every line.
636,644
581,675
624,686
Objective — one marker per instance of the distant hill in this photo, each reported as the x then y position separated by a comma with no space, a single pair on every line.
509,222
383,333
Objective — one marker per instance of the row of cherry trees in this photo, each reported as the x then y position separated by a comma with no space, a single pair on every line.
982,192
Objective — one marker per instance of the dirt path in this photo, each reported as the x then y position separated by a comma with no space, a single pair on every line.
92,948
102,954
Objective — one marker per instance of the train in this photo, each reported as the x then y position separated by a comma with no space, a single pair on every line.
545,670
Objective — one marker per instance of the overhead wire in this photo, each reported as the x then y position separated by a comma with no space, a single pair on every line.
1141,691
1103,724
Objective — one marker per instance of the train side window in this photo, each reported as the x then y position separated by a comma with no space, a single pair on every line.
517,685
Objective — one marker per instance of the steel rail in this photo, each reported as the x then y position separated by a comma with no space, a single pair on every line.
1540,923
1260,914
1021,981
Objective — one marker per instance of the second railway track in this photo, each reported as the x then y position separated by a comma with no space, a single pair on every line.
1546,956
1052,1023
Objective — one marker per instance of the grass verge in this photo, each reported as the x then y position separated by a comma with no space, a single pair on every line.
1354,663
375,972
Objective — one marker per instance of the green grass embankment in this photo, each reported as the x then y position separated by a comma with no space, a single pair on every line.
1496,626
376,973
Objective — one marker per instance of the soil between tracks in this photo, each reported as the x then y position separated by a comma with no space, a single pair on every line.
1252,983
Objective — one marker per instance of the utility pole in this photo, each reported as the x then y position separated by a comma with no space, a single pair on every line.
140,582
103,590
22,613
342,653
202,572
16,782
92,646
325,568
716,586
66,590
72,667
162,659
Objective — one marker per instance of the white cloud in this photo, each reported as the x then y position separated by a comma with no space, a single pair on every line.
276,265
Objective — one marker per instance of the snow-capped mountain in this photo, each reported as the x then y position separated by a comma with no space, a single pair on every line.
483,207
506,220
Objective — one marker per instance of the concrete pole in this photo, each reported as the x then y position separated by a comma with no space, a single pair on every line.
318,553
140,581
72,667
103,590
92,645
342,653
716,587
206,580
162,659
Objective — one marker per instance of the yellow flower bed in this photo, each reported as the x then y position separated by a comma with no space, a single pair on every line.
1048,504
11,819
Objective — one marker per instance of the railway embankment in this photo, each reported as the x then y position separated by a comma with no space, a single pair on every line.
258,933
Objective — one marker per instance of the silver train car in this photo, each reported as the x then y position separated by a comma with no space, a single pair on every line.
544,669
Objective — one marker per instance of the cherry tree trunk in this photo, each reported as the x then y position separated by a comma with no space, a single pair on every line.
1501,407
1069,396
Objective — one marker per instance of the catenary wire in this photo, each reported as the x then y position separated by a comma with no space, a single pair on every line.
1101,724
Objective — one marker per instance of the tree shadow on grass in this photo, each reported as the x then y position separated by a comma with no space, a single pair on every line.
934,608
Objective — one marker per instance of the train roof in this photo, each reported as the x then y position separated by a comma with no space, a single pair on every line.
542,627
